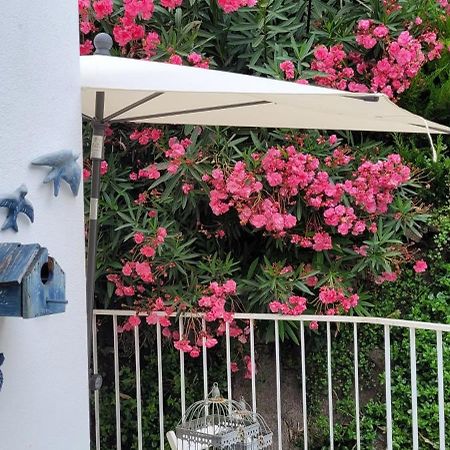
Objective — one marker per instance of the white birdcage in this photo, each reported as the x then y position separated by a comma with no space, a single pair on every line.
218,423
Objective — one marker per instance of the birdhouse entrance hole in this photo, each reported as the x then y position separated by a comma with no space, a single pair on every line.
47,271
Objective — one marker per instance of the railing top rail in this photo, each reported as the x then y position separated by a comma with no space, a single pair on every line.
303,318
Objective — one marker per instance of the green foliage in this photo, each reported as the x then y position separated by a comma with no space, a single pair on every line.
413,298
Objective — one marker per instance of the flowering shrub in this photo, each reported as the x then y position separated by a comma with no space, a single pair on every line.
391,73
273,222
307,194
382,54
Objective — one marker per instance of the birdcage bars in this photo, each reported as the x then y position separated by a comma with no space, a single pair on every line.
222,424
257,437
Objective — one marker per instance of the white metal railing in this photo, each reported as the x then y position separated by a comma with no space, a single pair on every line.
387,325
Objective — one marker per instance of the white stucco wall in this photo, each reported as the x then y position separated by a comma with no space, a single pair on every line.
44,401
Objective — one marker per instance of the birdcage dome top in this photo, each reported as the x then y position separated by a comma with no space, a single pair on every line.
216,404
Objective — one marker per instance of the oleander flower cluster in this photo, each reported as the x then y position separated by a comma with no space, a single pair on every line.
399,59
266,194
383,58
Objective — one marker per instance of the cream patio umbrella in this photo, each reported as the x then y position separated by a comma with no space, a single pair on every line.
127,90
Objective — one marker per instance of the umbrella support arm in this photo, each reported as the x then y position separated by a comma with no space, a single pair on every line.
97,150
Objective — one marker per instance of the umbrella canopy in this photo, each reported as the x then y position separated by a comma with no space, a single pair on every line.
161,93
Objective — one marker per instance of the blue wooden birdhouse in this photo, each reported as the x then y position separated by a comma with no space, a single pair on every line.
31,282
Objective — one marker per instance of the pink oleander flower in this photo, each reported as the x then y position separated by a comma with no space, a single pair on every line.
142,8
103,167
127,30
147,251
390,276
288,69
322,241
127,269
128,291
87,27
380,31
84,4
364,24
151,43
153,172
420,266
186,188
210,342
183,345
134,321
144,271
234,367
194,58
175,59
230,6
275,306
86,174
86,48
102,8
171,4
362,250
198,61
138,238
229,287
367,41
195,352
168,334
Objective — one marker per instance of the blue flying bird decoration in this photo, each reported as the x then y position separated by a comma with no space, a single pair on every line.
63,167
16,204
2,358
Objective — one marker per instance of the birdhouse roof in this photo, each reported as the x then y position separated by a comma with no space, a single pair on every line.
15,259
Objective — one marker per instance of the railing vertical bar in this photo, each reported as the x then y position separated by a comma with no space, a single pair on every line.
305,416
137,355
252,361
116,384
356,363
278,381
205,365
160,386
440,367
412,354
387,363
96,392
330,387
182,378
228,349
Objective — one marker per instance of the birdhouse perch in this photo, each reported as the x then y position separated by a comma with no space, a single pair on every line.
31,282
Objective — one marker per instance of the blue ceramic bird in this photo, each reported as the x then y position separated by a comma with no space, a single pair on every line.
2,358
64,167
16,204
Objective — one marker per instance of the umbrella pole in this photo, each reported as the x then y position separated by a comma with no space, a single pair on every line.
97,150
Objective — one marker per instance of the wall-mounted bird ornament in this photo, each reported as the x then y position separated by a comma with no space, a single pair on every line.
16,204
64,166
